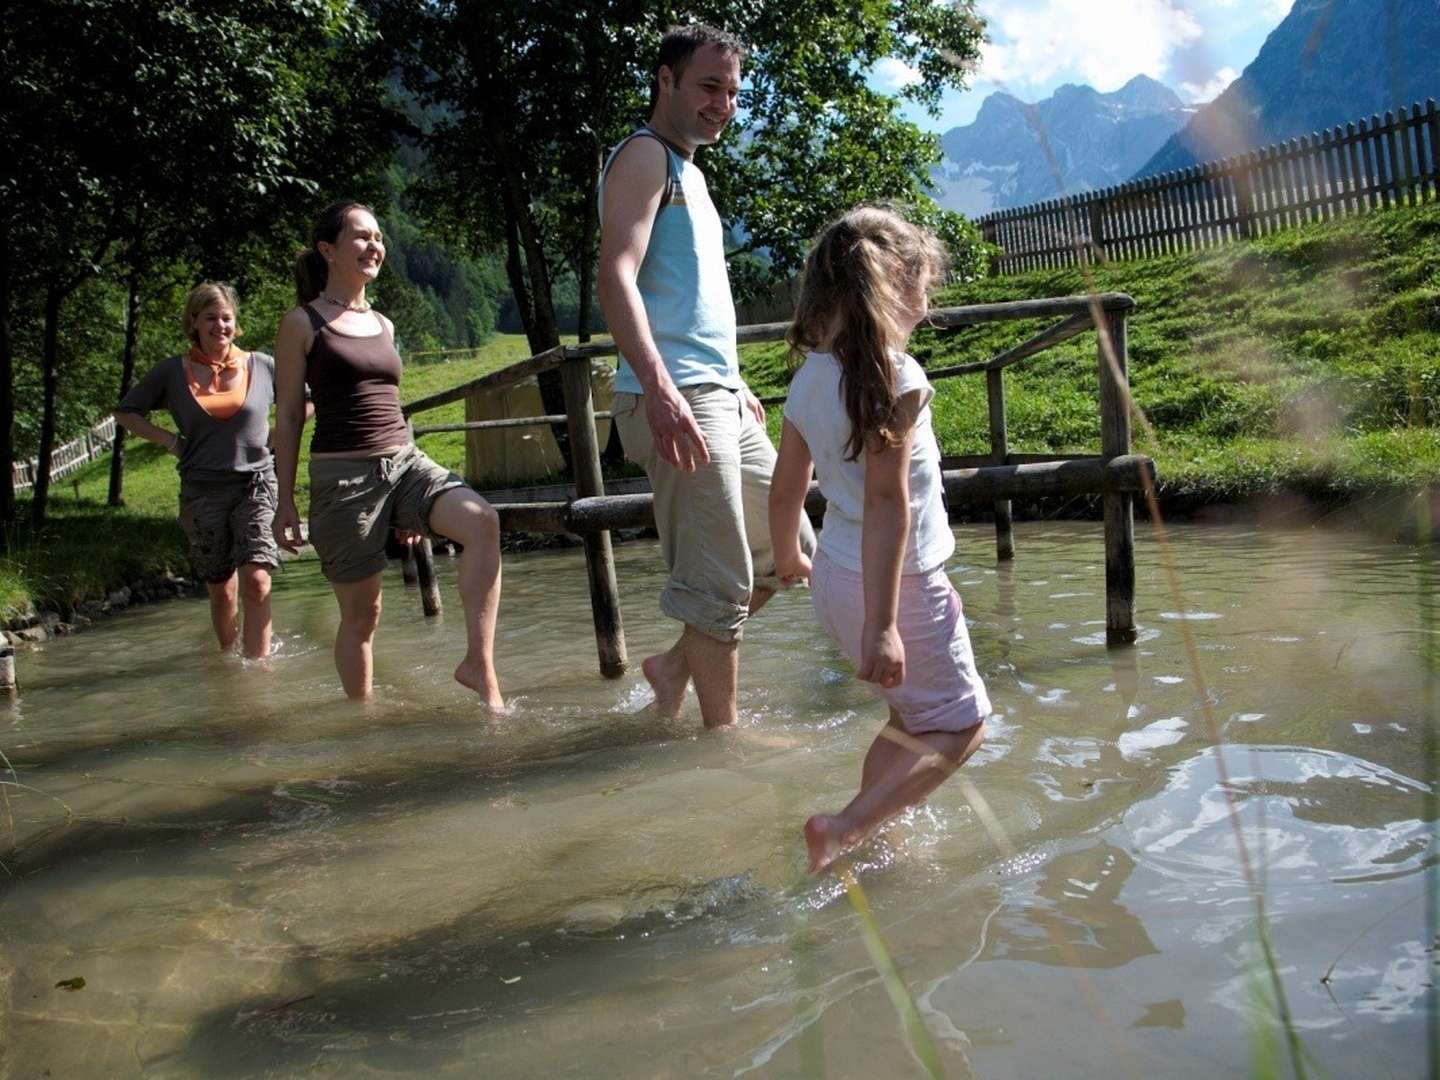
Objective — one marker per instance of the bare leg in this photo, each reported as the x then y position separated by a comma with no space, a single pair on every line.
715,667
255,597
668,675
359,616
895,776
466,518
224,613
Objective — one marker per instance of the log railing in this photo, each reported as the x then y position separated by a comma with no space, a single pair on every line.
996,478
1386,161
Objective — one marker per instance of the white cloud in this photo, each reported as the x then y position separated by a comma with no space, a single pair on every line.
1033,43
891,74
1199,93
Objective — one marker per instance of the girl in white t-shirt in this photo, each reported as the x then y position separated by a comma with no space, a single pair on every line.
859,412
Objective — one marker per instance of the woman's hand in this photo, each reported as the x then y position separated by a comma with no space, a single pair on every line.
286,527
882,655
409,537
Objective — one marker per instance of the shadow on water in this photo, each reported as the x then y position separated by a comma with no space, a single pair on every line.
261,878
393,783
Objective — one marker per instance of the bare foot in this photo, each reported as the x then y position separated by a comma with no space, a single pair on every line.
483,681
825,840
668,676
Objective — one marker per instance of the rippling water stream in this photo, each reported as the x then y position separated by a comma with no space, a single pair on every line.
255,877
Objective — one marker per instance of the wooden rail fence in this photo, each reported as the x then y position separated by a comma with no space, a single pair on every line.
73,455
1387,161
996,477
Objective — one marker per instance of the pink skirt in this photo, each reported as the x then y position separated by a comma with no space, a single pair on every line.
942,690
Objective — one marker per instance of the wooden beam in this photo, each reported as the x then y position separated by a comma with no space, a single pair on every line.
509,422
1074,476
550,358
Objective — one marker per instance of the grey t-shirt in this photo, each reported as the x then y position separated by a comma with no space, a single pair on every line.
214,449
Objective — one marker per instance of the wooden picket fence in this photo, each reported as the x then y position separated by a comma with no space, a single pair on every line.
73,455
1379,163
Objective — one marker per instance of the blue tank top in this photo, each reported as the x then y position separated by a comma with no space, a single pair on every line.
683,281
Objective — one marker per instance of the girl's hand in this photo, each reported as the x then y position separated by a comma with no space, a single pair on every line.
408,537
882,656
792,567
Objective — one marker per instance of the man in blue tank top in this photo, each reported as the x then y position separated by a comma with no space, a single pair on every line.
681,407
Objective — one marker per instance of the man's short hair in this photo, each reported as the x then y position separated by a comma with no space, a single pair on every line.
679,45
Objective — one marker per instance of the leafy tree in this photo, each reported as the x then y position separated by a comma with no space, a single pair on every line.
532,94
161,131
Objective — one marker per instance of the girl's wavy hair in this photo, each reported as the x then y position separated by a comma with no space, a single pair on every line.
200,298
863,271
311,270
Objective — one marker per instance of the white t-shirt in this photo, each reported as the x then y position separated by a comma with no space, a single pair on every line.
817,409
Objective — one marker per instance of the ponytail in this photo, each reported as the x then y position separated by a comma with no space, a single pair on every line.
310,275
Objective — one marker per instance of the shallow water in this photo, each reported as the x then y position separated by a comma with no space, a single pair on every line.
254,877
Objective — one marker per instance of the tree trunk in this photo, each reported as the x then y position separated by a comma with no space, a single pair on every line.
585,260
537,310
50,362
515,271
7,397
127,375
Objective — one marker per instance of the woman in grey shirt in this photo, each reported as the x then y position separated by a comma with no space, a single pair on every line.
219,398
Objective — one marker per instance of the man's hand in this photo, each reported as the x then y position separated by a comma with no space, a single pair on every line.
751,402
673,431
882,656
287,527
792,566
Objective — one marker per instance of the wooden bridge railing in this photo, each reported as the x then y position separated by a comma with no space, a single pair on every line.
996,477
1386,161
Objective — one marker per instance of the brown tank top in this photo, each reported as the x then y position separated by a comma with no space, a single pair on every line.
355,385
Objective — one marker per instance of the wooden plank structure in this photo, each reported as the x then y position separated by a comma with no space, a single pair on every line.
1392,160
995,478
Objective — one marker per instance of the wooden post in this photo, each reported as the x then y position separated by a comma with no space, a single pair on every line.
425,563
999,452
1119,508
1245,196
7,669
425,571
599,559
1433,116
407,565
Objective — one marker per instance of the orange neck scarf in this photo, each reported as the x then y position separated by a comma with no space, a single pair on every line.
221,404
228,362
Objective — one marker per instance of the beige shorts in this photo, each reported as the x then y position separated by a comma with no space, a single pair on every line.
355,502
714,523
229,524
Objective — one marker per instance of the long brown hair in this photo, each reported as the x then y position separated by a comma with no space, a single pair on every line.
311,270
862,271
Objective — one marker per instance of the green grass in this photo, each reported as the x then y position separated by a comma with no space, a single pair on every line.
1307,361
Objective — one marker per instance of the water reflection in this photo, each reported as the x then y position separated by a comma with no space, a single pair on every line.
254,876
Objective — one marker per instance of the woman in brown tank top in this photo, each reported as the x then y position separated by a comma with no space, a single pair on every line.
366,475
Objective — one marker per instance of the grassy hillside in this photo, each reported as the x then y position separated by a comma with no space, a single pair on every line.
1308,361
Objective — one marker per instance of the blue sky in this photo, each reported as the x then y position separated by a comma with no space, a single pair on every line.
1196,47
